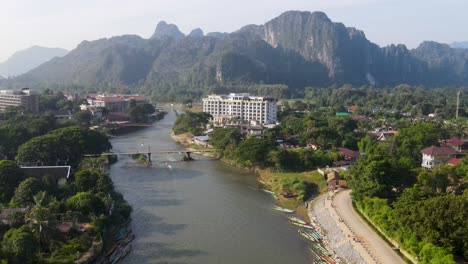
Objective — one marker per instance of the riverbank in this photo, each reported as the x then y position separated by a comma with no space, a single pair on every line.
274,181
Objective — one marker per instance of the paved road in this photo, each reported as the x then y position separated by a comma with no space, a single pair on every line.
379,248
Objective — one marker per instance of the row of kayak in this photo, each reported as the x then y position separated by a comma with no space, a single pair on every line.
122,247
319,253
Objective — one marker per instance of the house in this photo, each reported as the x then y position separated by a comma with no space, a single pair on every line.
343,164
456,143
437,156
352,108
453,162
334,181
57,174
349,155
202,141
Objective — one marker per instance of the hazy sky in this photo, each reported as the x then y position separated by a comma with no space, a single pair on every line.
65,23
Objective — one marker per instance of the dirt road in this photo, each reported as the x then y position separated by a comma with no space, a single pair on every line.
362,232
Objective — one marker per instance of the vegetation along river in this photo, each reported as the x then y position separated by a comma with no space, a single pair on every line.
198,212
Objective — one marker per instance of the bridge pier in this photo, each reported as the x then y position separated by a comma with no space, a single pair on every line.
187,156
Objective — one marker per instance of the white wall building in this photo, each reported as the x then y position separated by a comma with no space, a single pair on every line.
24,97
437,156
241,106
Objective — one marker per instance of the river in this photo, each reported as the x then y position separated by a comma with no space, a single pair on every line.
199,212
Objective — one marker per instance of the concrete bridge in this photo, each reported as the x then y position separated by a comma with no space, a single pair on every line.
187,153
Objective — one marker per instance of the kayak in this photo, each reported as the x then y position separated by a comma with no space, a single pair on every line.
297,220
277,208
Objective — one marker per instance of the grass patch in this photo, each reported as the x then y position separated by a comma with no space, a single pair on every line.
294,188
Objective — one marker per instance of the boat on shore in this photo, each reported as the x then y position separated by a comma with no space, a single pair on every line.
297,220
278,208
301,225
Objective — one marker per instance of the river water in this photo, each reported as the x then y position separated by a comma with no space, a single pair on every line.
199,212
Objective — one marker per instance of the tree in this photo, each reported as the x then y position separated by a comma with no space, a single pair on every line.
10,177
83,118
222,137
412,140
39,219
253,151
19,245
25,192
194,123
93,180
141,112
86,202
66,144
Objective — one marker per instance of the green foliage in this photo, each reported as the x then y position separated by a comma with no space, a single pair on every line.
253,151
66,144
19,245
194,123
413,139
301,159
223,137
86,202
25,192
83,118
140,113
380,173
68,252
431,254
92,180
10,177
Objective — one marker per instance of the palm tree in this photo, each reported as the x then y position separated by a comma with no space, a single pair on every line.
39,218
458,127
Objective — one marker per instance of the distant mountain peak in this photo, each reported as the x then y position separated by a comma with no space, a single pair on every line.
164,30
197,33
24,60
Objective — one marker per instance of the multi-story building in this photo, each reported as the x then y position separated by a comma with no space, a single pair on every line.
24,97
241,106
113,103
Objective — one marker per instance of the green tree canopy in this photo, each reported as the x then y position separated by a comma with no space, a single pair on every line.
25,192
10,177
65,144
86,202
92,180
19,245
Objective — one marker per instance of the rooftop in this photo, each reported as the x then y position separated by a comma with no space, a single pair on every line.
434,151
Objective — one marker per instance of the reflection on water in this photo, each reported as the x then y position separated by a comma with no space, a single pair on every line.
199,212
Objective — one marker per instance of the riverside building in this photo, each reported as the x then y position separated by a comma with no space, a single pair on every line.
24,97
242,107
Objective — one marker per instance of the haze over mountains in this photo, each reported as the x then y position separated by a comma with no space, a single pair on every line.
460,44
296,49
25,60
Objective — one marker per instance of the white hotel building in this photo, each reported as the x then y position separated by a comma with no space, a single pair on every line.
241,106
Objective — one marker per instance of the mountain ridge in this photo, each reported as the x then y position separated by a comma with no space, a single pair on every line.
24,60
296,49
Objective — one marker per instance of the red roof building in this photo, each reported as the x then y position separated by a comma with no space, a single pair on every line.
437,156
349,154
453,162
456,143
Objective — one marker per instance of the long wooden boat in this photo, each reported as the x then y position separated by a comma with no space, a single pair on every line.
278,208
301,225
297,220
